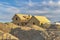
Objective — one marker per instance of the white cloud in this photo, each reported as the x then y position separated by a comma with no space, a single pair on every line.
31,7
36,11
12,10
44,2
30,3
7,12
56,11
9,9
59,2
46,6
51,2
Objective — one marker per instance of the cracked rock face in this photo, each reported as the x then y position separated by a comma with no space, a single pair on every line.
27,35
54,34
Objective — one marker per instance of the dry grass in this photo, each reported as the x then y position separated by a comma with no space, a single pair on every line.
4,36
27,32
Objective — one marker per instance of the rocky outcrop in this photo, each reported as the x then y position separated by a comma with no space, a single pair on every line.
29,33
7,36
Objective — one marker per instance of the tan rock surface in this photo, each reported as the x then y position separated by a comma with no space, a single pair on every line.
7,36
29,33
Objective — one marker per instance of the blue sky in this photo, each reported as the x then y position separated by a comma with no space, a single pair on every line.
48,8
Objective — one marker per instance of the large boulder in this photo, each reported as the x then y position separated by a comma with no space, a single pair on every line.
34,33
